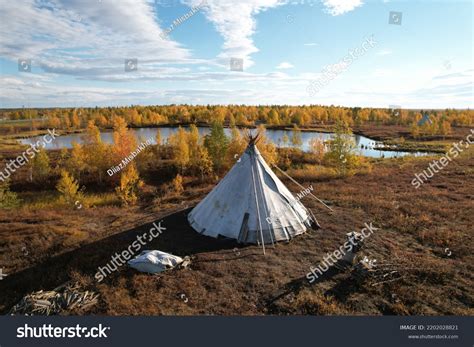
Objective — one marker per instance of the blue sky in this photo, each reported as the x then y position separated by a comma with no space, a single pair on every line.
78,50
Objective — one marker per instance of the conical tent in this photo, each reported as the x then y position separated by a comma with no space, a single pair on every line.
426,118
250,204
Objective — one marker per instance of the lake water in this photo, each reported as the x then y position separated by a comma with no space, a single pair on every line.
365,146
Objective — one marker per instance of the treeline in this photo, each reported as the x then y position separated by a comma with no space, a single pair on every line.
440,122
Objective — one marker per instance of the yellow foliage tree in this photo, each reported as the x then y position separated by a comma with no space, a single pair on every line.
158,138
178,184
76,121
66,122
317,147
96,153
181,155
129,186
77,161
54,122
342,153
69,189
266,147
193,140
415,130
236,147
205,162
40,166
135,117
296,136
8,199
444,128
124,141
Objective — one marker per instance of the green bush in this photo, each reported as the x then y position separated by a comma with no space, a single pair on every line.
8,199
342,153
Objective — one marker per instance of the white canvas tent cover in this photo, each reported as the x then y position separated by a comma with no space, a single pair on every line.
426,118
246,200
154,261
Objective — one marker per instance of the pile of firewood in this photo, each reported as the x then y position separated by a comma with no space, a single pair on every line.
376,274
64,298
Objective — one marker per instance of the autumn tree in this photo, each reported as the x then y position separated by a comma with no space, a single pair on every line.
415,130
317,148
8,199
135,117
156,119
266,147
235,148
231,120
96,153
68,188
178,184
158,138
102,121
180,147
40,167
129,186
75,120
199,161
296,136
341,153
76,163
444,128
54,122
216,144
156,151
273,117
63,157
124,140
205,162
193,140
66,122
219,115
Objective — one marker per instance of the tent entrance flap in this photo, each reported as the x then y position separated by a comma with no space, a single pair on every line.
244,228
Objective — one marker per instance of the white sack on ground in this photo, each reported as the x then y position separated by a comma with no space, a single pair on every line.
154,261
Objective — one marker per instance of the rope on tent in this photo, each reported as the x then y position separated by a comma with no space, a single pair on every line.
299,185
258,209
266,214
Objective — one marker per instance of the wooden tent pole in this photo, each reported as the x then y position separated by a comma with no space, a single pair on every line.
258,209
271,229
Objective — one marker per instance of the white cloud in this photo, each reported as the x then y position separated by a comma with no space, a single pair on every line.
91,38
311,44
432,90
436,91
285,65
338,7
84,36
235,22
